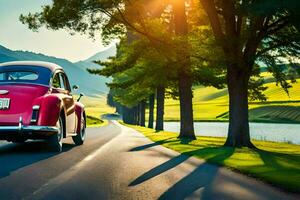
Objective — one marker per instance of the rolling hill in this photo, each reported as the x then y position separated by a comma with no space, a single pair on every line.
89,84
103,55
211,104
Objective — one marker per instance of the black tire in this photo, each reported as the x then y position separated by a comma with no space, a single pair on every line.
55,141
80,137
19,141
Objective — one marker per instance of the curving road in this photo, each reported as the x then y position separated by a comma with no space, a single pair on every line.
119,163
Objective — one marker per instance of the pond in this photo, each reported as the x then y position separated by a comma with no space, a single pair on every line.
259,131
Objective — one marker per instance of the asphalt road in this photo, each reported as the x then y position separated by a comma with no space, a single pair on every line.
119,163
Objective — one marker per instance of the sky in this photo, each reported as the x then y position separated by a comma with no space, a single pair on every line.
16,36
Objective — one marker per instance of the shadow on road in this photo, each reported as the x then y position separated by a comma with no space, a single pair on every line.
16,156
160,169
147,146
201,177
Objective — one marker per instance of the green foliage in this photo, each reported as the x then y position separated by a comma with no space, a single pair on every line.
256,86
262,32
87,16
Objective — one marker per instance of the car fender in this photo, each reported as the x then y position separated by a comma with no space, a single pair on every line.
50,109
79,110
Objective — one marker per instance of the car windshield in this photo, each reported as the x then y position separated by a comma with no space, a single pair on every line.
25,74
18,76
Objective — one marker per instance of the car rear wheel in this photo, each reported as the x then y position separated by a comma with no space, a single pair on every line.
19,141
80,137
56,140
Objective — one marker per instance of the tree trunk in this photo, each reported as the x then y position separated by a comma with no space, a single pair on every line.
160,101
184,73
128,115
238,132
186,107
142,113
136,115
151,110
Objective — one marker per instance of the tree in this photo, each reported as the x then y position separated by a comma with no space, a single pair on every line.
160,99
138,72
151,110
249,31
184,72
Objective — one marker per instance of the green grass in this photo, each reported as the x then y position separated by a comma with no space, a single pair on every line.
94,122
275,163
95,107
211,104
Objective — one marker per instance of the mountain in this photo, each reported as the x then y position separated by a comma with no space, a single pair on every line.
102,55
89,84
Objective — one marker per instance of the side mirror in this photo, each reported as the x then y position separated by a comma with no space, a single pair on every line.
75,87
81,95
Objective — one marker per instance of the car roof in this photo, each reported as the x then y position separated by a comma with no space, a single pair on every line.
53,67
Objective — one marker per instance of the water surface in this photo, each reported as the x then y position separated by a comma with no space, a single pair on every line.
259,131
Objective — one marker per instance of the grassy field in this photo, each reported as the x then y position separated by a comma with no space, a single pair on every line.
95,107
211,104
275,163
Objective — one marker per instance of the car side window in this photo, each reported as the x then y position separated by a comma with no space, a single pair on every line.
56,81
65,82
62,81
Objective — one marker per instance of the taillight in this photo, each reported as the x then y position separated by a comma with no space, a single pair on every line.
35,114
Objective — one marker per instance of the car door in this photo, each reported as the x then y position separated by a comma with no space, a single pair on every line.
62,86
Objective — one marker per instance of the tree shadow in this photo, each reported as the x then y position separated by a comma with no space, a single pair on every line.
268,158
280,166
160,169
212,154
202,176
147,146
16,156
185,140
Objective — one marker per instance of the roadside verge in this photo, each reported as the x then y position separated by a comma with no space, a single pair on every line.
275,163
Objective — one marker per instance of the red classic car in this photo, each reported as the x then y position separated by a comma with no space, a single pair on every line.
36,103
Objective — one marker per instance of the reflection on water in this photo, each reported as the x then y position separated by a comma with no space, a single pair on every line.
259,131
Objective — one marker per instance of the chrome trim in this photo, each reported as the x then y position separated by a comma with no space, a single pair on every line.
35,107
20,124
29,128
2,92
21,128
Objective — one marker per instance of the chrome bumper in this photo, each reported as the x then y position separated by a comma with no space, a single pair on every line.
27,131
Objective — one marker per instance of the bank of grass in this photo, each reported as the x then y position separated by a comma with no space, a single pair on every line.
275,163
95,122
96,106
